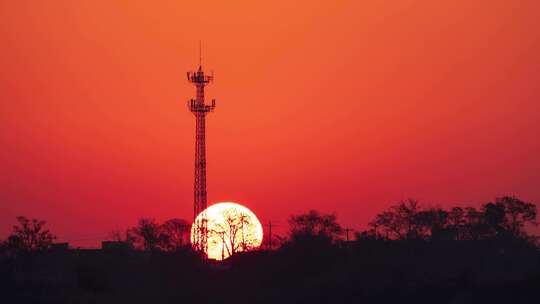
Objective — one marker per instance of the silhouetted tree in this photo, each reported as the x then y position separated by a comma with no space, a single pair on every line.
515,215
29,235
236,231
175,234
474,227
506,217
400,222
492,221
314,226
433,223
148,235
456,223
117,235
126,236
367,235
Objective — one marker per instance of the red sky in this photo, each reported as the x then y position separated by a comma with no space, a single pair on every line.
340,106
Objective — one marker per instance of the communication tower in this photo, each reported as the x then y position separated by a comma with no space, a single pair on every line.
199,108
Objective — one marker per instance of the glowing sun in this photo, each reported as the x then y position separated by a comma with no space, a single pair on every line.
231,228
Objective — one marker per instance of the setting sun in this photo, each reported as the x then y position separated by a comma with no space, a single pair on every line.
231,228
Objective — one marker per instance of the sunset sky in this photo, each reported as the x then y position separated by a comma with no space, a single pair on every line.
340,106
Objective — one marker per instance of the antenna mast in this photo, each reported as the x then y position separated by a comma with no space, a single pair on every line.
200,53
199,108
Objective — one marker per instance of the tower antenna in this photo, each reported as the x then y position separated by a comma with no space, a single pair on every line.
200,53
200,109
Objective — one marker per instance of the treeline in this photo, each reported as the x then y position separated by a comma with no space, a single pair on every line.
507,218
149,235
504,219
31,235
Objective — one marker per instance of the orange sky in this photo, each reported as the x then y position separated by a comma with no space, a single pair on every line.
344,106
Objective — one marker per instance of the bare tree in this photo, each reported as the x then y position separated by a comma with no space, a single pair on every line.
147,235
236,232
116,235
517,214
433,223
400,222
314,225
456,222
175,234
30,235
126,236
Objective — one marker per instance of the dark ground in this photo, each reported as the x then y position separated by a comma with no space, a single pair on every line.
366,272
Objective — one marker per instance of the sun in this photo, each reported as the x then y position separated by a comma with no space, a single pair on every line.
231,228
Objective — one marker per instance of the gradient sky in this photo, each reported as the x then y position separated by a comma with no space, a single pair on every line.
340,106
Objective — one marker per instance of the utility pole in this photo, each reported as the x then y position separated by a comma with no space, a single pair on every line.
347,233
270,235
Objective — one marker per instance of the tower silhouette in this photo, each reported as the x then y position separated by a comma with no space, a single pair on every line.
199,108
